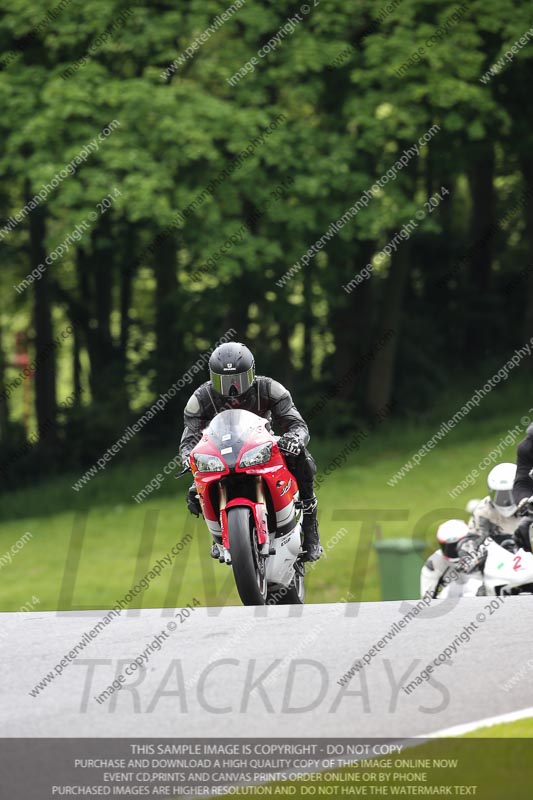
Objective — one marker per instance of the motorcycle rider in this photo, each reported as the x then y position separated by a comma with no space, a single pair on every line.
233,383
449,534
495,515
523,488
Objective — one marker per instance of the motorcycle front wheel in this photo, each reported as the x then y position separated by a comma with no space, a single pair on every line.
247,562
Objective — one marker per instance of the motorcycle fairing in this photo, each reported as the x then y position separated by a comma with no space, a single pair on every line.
229,435
507,569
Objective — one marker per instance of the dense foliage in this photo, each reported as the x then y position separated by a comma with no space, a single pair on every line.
184,217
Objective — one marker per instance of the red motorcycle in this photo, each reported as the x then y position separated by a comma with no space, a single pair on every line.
250,502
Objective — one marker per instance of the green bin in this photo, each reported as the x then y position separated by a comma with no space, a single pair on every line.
400,561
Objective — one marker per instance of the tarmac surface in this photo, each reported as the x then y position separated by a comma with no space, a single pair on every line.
238,672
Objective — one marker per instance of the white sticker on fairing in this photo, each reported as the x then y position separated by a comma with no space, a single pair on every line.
226,450
226,437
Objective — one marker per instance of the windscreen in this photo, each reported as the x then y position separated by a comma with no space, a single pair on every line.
229,430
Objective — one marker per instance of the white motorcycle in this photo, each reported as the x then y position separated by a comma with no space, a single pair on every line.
486,568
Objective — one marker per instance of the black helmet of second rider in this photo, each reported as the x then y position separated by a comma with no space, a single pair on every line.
232,369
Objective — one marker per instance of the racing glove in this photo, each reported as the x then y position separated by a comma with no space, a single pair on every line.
524,507
186,461
289,444
193,502
471,553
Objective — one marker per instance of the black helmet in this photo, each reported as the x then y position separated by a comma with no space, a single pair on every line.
232,369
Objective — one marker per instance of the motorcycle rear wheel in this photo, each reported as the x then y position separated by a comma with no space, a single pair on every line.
248,564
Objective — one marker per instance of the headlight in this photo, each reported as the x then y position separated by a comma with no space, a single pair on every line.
257,455
207,463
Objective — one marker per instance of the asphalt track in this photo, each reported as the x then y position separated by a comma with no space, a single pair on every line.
266,672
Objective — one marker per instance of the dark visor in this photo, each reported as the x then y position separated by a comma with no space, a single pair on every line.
504,498
233,385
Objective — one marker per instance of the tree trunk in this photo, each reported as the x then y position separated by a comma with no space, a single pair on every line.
78,313
4,408
242,288
308,322
169,362
285,369
81,313
101,270
127,273
97,271
126,284
45,375
76,363
527,172
381,377
482,229
481,177
237,302
351,319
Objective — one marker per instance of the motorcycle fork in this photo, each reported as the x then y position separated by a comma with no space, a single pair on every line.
259,490
260,497
222,502
222,496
